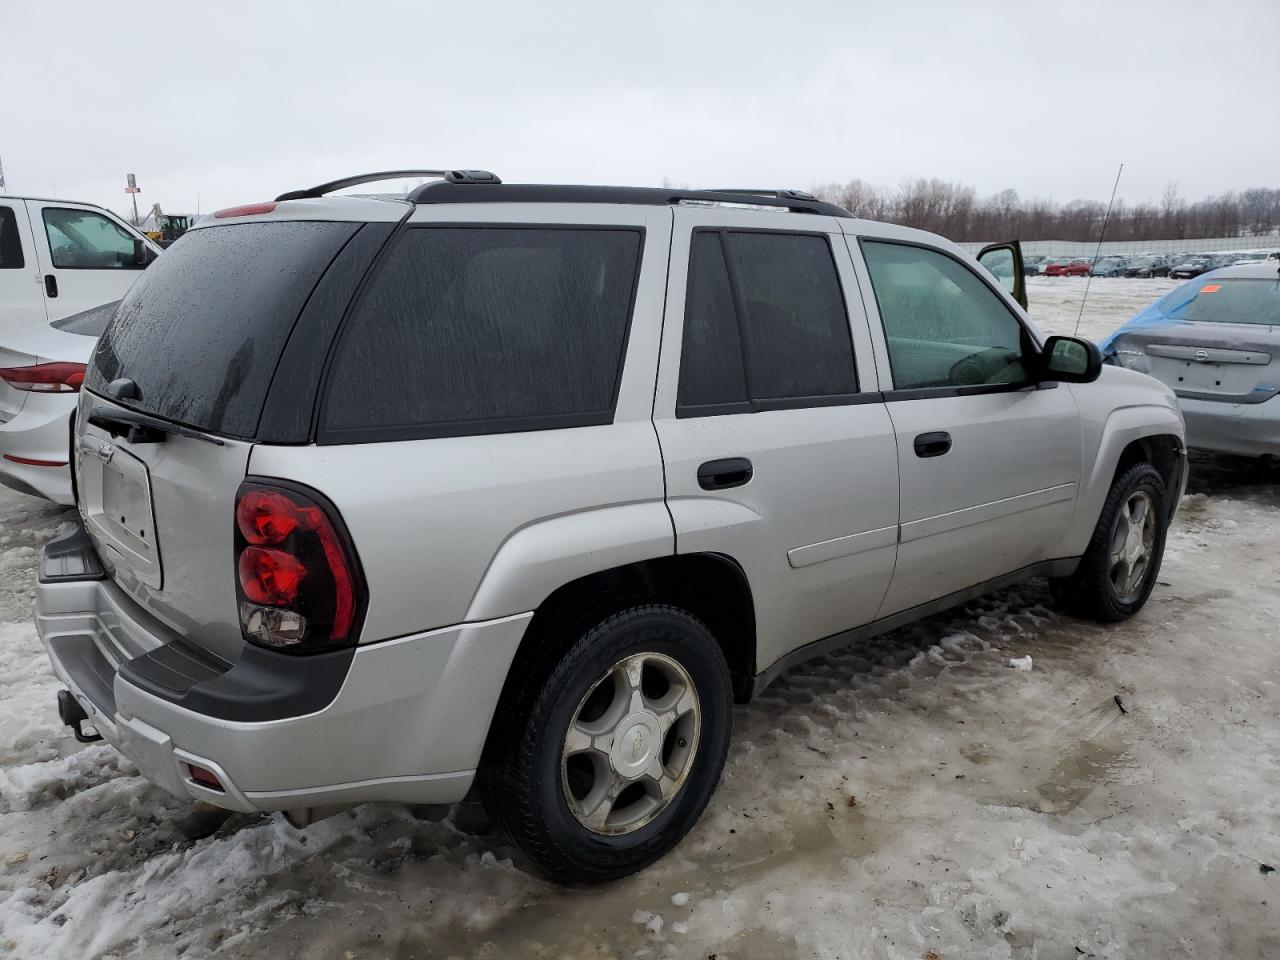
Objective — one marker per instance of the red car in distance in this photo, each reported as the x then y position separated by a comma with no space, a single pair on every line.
1068,268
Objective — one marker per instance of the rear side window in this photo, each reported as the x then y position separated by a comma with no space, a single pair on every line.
469,330
10,240
201,330
765,325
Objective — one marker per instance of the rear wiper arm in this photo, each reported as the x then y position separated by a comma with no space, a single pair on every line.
140,428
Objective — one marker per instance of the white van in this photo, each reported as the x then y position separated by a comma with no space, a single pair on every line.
59,257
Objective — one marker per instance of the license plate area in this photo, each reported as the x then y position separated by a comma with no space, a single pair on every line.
115,500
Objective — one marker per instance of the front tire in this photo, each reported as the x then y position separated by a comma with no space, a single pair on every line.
611,753
1120,566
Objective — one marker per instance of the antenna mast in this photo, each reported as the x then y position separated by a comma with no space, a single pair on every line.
1097,250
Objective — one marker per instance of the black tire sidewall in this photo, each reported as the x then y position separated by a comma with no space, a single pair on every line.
1141,477
651,629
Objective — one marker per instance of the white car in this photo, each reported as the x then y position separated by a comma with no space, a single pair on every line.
58,258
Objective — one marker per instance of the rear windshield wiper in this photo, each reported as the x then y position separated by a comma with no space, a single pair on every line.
141,428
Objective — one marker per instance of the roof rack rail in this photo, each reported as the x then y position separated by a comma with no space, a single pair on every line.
452,176
796,201
783,194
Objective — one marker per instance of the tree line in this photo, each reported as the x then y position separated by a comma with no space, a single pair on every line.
956,211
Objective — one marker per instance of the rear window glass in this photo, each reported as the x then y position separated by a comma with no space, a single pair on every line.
201,330
1240,300
468,330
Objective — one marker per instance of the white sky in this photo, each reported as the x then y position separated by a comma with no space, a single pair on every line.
240,101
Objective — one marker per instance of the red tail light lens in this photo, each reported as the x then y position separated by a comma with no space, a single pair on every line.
60,377
298,582
270,576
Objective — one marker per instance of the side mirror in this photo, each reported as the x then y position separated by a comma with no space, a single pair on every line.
143,255
1071,360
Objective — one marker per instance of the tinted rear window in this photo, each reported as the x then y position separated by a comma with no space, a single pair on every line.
468,330
202,329
1226,301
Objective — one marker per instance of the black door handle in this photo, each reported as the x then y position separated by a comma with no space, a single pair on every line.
722,474
933,444
50,285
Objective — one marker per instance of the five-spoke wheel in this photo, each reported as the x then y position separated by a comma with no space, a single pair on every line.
1119,568
1132,541
611,746
630,744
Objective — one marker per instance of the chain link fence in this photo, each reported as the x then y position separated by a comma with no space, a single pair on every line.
1133,248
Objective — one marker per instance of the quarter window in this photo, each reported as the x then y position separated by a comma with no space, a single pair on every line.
765,325
84,240
468,330
10,240
944,326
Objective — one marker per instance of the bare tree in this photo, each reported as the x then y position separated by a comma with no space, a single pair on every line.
955,210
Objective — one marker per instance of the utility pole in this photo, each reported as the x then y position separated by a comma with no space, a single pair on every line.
132,188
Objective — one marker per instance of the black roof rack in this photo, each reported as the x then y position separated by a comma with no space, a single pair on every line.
494,191
450,176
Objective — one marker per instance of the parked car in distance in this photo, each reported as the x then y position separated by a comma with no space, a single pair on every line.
1191,267
1068,268
1031,266
59,257
645,450
1147,267
41,372
1110,267
1216,342
1050,262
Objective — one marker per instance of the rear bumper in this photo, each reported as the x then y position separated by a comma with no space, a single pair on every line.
1245,429
39,432
406,722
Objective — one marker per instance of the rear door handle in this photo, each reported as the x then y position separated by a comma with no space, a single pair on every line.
50,286
723,474
933,444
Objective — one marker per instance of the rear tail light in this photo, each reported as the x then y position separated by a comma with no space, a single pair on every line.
298,583
60,377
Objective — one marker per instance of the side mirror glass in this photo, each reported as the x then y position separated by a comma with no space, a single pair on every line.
1071,360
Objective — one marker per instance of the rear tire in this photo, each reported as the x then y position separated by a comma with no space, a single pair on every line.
1120,566
609,754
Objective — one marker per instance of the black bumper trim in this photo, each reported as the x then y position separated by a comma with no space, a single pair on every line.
261,685
71,557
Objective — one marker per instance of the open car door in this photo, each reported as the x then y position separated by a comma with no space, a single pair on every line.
1004,260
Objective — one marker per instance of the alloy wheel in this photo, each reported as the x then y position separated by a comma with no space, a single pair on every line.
1132,545
630,744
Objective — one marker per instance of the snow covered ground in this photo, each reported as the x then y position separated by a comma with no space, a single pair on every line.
916,796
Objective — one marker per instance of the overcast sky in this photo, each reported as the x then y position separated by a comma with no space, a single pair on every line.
241,101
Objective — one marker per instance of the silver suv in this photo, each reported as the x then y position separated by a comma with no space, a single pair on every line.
522,487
